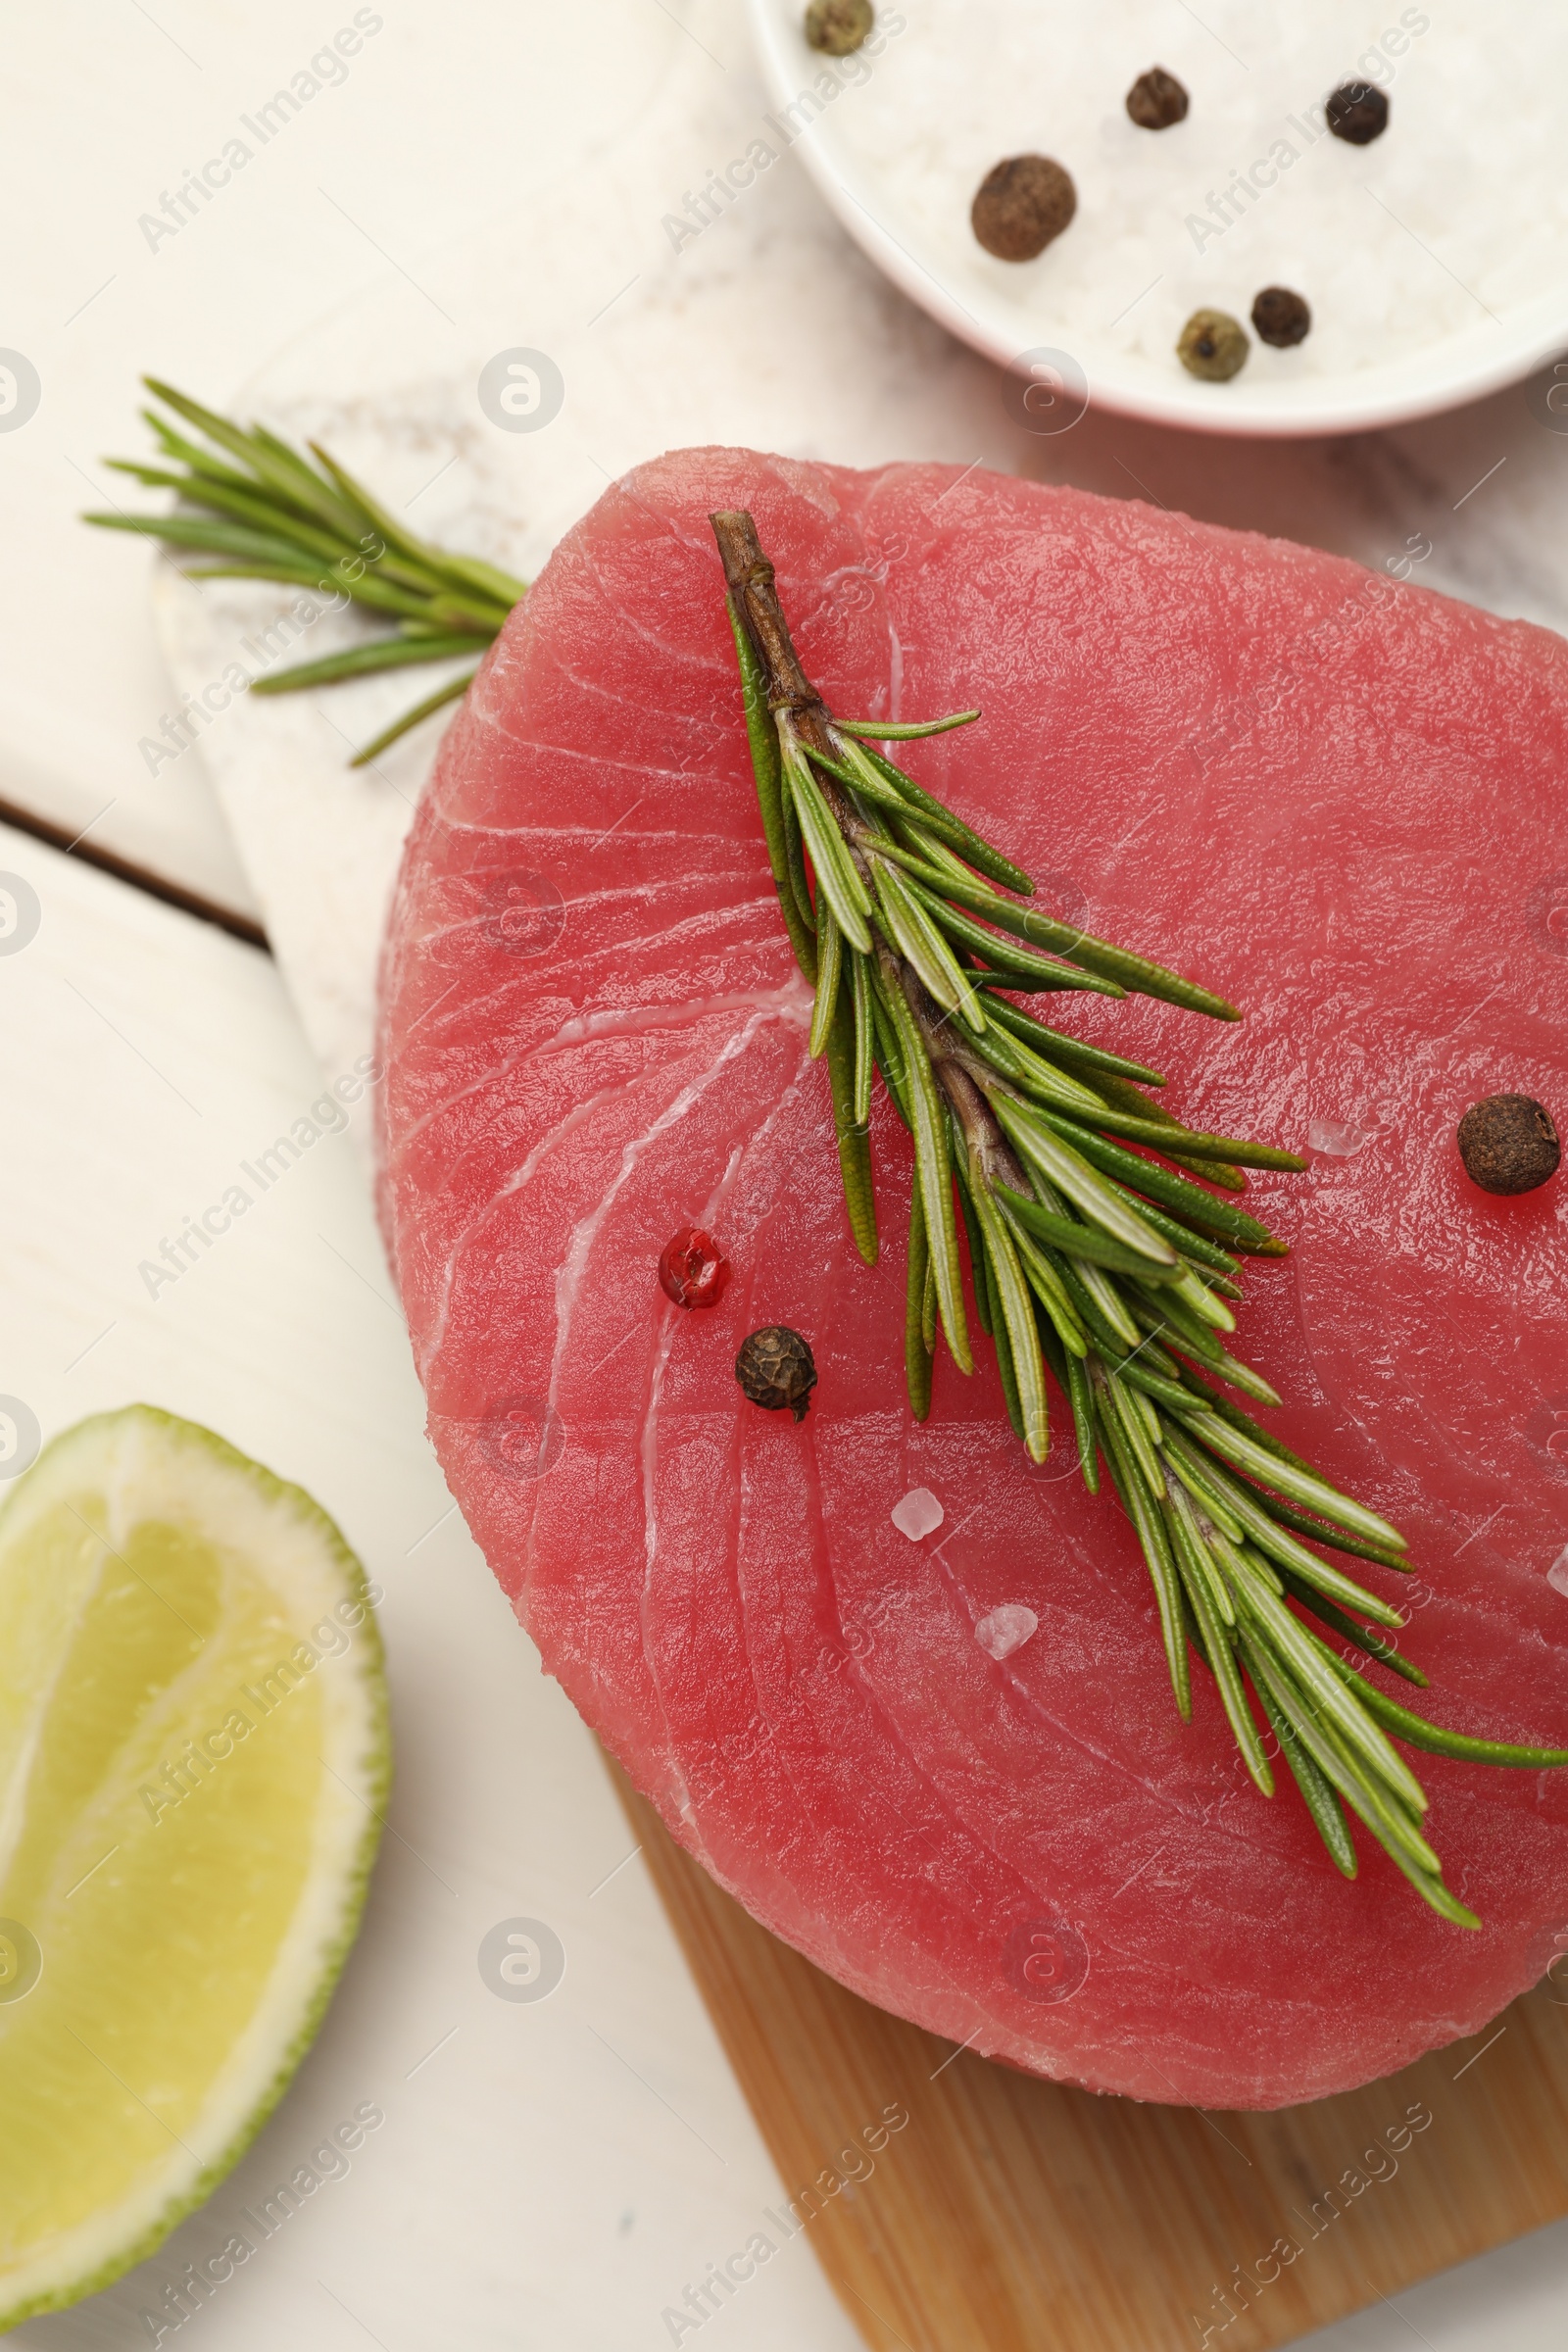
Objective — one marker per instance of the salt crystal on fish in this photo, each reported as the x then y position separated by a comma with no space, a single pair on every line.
917,1515
1007,1629
1335,1138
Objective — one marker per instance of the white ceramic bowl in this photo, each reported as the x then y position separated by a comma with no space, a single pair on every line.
973,84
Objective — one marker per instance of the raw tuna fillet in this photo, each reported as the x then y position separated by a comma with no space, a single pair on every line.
1337,799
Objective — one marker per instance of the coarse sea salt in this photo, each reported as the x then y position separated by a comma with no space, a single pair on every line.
917,1513
1335,1138
1557,1573
1459,210
1007,1629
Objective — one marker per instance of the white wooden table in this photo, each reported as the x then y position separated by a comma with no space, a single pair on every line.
549,2174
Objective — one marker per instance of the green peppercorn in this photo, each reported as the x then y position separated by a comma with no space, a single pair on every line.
1157,100
1213,345
1357,112
1020,204
1281,318
839,27
776,1370
1508,1143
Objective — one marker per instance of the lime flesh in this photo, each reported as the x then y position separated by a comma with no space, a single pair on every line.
194,1761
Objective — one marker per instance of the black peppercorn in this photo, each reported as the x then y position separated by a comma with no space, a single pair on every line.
1021,204
1213,345
1157,100
1508,1143
775,1370
1357,112
1281,318
838,26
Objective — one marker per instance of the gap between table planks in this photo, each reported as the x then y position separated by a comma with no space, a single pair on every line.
1012,2213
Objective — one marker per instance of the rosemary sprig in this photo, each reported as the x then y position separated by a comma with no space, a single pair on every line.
1089,1259
259,511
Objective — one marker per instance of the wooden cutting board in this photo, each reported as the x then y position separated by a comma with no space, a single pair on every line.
1010,2213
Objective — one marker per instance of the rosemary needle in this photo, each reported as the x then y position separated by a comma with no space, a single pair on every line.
1099,1249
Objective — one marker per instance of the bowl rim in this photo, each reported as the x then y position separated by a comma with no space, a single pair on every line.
1448,374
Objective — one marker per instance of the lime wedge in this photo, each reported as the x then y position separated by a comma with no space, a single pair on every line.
193,1764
